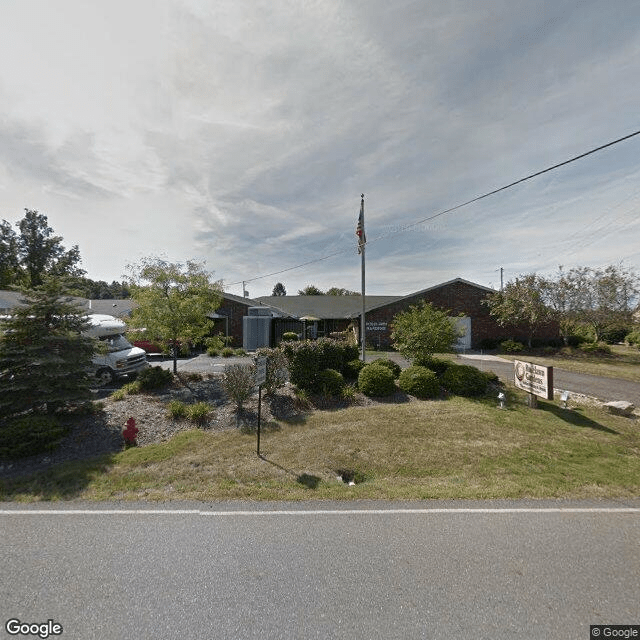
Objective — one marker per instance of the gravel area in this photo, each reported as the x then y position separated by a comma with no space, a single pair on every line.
101,433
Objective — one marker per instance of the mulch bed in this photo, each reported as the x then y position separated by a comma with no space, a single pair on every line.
101,433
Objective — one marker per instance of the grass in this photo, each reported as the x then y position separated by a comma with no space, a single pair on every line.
624,362
446,449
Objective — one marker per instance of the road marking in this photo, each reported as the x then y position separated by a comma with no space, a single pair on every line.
319,512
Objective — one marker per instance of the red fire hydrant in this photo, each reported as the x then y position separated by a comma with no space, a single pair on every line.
130,433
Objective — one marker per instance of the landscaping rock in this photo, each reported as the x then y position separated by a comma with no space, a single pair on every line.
620,408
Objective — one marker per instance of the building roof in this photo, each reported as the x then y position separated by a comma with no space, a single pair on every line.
110,307
439,286
324,307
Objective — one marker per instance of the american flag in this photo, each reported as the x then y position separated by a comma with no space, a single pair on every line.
362,238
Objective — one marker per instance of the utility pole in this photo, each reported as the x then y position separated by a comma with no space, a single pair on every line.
501,272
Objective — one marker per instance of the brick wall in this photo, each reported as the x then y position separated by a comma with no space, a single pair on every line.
235,311
457,297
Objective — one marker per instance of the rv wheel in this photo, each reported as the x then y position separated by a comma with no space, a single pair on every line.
104,376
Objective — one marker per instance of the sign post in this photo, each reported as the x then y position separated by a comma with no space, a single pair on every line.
535,379
261,378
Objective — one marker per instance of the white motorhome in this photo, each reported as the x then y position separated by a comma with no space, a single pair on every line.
121,357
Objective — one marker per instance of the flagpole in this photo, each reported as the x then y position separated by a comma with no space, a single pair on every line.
363,326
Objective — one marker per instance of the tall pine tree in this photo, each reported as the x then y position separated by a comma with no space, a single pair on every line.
45,360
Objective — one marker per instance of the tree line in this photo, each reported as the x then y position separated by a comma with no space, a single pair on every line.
312,290
595,301
34,252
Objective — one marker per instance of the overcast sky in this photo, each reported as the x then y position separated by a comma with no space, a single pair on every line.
242,133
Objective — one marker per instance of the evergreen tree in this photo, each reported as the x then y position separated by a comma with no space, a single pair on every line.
45,361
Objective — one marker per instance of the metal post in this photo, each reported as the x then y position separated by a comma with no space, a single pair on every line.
259,408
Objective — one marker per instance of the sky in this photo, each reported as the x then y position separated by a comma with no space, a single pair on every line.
241,134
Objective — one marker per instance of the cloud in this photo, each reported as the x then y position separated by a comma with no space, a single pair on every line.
243,133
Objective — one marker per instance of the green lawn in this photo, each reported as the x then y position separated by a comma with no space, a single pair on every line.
624,362
455,448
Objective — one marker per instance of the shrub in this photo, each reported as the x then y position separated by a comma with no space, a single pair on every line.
464,380
198,412
511,346
307,358
330,382
596,348
215,342
290,336
584,331
29,435
128,389
238,382
240,352
437,365
491,377
212,352
394,367
419,382
277,372
575,340
633,337
614,334
376,380
227,352
154,378
176,409
348,392
352,369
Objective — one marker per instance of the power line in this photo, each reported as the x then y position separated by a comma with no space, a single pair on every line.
449,210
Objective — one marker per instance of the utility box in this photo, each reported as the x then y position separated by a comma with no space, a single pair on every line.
256,331
259,311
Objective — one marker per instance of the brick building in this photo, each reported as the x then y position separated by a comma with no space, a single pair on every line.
459,297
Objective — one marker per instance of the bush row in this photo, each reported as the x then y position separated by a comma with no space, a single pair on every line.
425,380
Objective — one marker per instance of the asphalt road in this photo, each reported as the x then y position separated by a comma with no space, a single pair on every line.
493,570
605,389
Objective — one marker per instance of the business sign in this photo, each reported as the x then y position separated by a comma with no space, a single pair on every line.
377,326
261,370
534,379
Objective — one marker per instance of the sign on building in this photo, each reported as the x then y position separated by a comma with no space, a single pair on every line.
534,379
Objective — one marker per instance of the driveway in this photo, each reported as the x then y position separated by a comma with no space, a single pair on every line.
605,389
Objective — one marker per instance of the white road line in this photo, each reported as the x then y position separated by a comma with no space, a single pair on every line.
319,512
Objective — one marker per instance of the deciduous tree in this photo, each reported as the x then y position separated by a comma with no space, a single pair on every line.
173,301
422,331
310,290
279,290
522,304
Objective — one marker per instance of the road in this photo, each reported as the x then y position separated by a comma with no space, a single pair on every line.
605,389
496,570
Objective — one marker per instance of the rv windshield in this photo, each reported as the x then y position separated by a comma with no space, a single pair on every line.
116,342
